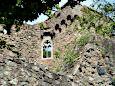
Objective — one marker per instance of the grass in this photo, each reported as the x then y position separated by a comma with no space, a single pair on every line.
70,56
57,53
83,40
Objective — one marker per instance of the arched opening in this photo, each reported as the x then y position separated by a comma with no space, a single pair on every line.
69,17
47,49
56,26
58,15
63,22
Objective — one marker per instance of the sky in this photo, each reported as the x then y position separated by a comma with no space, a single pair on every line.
43,17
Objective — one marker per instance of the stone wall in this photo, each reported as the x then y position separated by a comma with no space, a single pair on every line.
19,72
21,54
28,40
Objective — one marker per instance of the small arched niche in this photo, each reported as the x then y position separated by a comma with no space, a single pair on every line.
47,48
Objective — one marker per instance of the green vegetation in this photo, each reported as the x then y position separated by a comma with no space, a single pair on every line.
57,53
105,7
58,69
49,13
83,40
113,81
104,30
41,25
17,11
91,18
70,56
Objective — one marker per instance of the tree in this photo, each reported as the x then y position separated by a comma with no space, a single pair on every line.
105,7
17,11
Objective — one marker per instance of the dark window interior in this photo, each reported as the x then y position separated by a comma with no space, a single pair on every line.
69,17
58,14
56,26
62,22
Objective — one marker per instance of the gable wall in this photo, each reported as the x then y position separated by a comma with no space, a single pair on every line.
28,42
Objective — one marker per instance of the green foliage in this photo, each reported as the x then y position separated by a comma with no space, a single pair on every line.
41,25
90,18
57,7
70,56
83,40
77,17
17,11
58,69
113,81
105,7
104,30
113,24
49,13
57,53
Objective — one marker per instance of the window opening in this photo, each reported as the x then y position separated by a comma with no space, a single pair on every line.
47,49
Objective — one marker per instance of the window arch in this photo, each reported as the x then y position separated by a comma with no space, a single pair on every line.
47,49
69,17
63,22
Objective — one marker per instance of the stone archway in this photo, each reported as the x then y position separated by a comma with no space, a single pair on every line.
47,48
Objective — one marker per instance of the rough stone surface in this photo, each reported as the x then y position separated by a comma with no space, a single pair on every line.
21,65
22,73
92,69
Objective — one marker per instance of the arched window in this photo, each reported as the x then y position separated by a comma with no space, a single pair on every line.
47,49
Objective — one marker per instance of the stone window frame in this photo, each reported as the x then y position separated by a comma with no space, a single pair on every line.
42,44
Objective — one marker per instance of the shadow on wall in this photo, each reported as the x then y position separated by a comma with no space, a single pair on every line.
51,34
57,27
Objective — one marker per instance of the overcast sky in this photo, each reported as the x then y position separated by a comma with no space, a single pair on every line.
44,17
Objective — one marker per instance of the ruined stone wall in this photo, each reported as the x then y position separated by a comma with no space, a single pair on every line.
19,72
21,55
28,40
